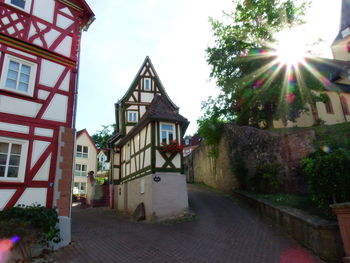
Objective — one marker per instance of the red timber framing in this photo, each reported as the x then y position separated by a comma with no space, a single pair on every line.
51,42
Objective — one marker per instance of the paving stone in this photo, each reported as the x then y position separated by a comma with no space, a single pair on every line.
223,231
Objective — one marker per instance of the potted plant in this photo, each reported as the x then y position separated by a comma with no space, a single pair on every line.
171,147
329,177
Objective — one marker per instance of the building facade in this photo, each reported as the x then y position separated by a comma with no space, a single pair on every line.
147,165
336,80
85,161
39,50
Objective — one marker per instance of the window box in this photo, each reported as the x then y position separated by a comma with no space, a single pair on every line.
13,158
18,75
172,147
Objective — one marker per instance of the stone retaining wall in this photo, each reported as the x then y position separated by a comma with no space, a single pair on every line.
319,235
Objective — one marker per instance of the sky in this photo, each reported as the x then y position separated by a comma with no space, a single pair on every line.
174,34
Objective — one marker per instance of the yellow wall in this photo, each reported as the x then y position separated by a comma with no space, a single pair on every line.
306,119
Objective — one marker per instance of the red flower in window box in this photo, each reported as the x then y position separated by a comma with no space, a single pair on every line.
172,147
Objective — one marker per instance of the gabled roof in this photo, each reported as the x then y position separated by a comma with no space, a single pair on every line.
157,80
84,131
160,109
344,20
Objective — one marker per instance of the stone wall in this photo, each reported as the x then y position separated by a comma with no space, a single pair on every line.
319,235
253,147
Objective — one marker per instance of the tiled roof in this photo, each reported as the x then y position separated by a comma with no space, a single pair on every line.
344,20
161,109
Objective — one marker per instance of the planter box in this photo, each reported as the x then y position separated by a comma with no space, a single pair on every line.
319,235
342,211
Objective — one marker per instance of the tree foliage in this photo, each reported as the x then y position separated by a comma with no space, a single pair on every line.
254,89
101,137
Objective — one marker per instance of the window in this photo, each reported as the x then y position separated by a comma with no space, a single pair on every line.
21,4
81,170
79,188
13,157
329,107
147,84
82,151
167,133
132,116
18,75
344,105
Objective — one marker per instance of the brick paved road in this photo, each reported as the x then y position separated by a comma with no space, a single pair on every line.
222,232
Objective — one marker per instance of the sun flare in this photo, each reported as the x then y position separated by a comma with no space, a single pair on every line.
291,49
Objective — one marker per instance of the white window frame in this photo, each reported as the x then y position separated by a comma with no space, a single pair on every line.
130,118
27,6
22,162
80,172
167,132
150,84
32,76
82,154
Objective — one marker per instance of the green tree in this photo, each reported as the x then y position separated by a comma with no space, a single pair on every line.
255,89
101,137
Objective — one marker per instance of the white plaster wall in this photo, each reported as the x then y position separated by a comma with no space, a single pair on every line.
44,9
338,115
65,83
65,47
43,94
39,148
43,132
148,157
33,196
63,22
14,127
146,97
159,160
169,196
44,171
57,110
135,197
50,73
5,195
142,111
22,53
19,107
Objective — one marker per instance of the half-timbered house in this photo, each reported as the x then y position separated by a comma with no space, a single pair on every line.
146,150
39,51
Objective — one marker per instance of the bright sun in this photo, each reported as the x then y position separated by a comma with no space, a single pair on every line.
291,49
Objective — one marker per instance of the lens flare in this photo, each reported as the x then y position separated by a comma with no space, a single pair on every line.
326,149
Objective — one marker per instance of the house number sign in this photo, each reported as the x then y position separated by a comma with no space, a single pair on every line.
157,179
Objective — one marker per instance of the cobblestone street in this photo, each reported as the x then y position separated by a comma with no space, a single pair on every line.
222,232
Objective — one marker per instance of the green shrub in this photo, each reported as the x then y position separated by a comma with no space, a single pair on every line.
32,224
267,178
329,176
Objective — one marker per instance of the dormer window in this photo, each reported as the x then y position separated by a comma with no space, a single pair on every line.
132,116
20,4
147,84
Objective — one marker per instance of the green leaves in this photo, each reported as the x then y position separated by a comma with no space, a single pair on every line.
238,61
101,137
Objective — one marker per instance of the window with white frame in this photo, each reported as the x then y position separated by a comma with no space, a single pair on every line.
18,75
147,84
20,4
132,116
79,188
13,158
82,151
167,132
81,170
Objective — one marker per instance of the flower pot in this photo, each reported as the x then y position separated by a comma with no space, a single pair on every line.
342,210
